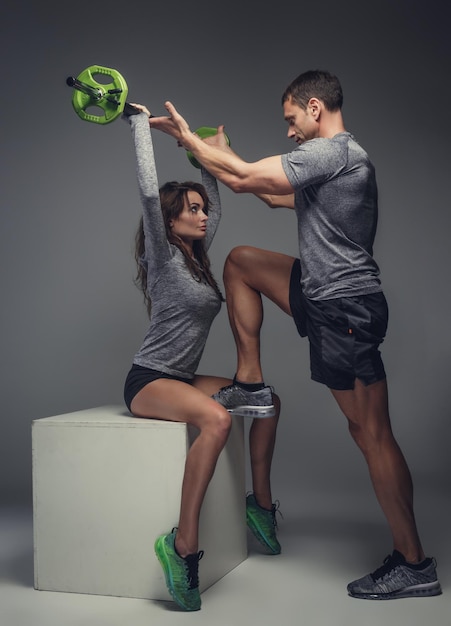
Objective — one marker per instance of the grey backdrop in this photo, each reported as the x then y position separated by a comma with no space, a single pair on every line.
71,318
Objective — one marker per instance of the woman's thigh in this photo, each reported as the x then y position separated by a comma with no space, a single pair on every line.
176,401
210,384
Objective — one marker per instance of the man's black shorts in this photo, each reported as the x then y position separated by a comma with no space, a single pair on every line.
344,335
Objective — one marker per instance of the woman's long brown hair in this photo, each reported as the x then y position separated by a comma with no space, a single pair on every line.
172,198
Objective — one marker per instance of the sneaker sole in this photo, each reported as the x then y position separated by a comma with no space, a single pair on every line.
164,562
416,591
253,411
253,527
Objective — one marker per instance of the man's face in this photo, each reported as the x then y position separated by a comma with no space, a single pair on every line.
302,124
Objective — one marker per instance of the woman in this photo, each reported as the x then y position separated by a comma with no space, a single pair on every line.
177,227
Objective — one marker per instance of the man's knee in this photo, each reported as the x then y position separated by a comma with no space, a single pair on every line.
239,259
240,255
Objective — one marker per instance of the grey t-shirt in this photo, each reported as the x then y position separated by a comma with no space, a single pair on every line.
183,308
336,207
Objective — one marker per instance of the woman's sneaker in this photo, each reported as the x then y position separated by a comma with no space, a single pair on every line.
239,401
181,574
398,579
262,523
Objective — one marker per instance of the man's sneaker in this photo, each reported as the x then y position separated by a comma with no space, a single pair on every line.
181,575
262,523
397,579
238,401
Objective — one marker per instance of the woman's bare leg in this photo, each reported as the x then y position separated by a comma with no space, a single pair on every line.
262,438
180,402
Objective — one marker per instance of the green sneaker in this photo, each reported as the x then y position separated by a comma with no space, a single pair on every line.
262,523
181,574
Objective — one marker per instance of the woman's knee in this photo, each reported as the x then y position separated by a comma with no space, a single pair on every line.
219,422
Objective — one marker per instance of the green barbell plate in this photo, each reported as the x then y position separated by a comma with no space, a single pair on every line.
109,97
203,132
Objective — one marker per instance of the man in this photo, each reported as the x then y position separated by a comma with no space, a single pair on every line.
333,292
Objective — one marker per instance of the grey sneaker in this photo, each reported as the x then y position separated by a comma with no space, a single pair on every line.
238,401
397,579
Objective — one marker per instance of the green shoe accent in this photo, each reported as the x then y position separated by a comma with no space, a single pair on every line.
181,574
262,523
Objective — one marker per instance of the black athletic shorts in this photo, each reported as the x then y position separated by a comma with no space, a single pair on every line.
139,376
344,335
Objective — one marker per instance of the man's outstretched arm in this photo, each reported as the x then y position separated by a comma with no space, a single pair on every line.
265,176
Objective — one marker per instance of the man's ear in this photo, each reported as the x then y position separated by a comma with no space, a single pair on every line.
314,106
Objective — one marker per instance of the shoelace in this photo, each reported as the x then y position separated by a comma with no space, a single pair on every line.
390,562
275,509
192,569
226,390
231,388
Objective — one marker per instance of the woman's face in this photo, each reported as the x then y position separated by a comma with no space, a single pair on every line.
191,224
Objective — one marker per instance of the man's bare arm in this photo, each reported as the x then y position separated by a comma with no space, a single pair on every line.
277,201
265,176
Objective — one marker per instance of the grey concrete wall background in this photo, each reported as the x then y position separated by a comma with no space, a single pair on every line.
71,318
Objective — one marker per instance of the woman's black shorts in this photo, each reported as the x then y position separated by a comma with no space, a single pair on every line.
344,335
139,376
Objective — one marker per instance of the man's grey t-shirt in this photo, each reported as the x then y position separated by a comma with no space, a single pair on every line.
336,207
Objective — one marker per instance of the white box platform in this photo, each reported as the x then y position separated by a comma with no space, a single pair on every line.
106,484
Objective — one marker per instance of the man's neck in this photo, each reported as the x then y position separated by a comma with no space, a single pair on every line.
331,124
